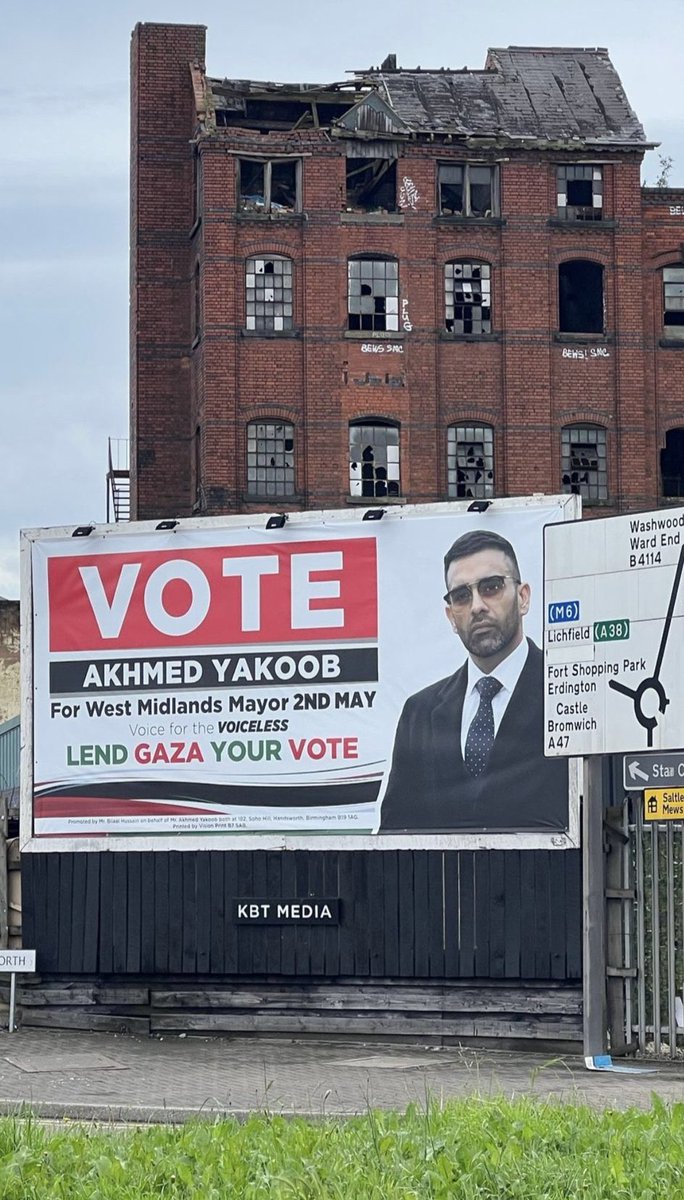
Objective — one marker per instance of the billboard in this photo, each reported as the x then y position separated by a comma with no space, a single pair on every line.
221,683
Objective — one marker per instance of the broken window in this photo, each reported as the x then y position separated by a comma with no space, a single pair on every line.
270,459
470,462
467,297
374,460
672,465
269,185
673,301
268,292
467,190
373,301
580,193
583,461
580,297
372,184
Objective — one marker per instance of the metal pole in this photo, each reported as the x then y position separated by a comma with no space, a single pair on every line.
593,889
13,994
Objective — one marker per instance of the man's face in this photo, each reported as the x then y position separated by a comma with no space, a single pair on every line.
489,627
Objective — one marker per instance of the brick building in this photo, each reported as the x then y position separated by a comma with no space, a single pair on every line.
412,285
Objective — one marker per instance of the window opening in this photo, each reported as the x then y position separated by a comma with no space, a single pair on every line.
580,192
268,292
580,297
583,461
269,186
372,184
270,459
672,464
373,302
673,301
470,462
467,297
374,460
467,190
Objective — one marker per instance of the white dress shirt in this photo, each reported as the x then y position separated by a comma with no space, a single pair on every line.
508,673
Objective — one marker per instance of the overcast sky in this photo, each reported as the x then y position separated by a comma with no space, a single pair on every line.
64,193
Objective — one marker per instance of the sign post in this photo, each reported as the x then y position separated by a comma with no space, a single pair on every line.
15,962
614,684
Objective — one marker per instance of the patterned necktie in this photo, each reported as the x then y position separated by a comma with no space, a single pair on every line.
480,739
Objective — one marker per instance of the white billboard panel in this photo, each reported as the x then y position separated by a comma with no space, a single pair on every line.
273,685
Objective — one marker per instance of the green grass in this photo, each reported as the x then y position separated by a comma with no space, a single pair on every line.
470,1149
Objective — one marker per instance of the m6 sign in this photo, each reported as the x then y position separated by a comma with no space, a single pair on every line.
614,634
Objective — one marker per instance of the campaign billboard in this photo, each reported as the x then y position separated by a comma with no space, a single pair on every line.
309,684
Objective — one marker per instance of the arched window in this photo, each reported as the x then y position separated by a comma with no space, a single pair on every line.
270,459
584,467
673,302
373,294
580,296
268,293
470,462
468,297
672,464
374,459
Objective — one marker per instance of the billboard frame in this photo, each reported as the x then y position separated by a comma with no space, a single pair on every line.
570,508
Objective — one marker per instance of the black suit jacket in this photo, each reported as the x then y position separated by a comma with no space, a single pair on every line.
429,788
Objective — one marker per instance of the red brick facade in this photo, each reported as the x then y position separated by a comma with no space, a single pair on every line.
195,366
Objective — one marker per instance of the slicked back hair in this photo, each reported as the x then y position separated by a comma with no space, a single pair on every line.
476,540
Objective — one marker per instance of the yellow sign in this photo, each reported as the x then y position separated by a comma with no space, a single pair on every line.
664,804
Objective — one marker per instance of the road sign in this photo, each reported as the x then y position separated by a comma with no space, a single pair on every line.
615,672
18,960
664,804
641,771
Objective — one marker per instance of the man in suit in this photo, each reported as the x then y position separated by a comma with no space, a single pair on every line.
468,750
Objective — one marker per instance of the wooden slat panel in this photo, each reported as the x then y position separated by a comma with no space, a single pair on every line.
288,936
147,910
407,916
512,930
428,997
244,891
466,893
316,932
572,861
360,931
189,913
331,887
391,911
421,954
559,1029
274,888
203,912
346,934
302,948
133,914
542,927
175,902
451,919
64,906
497,915
230,929
482,916
107,913
436,912
120,914
259,891
78,912
161,912
527,915
92,914
220,933
558,916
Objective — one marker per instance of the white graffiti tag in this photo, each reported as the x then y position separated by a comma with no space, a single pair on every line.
408,194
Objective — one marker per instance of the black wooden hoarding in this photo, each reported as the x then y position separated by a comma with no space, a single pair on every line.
404,914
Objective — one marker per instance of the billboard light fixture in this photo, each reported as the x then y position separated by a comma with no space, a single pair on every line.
479,506
83,531
166,525
373,514
277,522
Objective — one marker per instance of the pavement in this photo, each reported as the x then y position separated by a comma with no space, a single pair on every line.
111,1077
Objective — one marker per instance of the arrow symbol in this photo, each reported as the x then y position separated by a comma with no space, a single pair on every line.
635,772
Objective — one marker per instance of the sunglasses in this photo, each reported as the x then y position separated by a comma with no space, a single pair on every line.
487,588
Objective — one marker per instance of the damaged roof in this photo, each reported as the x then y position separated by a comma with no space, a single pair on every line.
524,94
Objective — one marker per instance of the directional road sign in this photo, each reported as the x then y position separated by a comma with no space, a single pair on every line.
614,635
640,771
664,804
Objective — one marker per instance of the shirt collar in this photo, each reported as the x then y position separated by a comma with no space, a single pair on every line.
508,671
